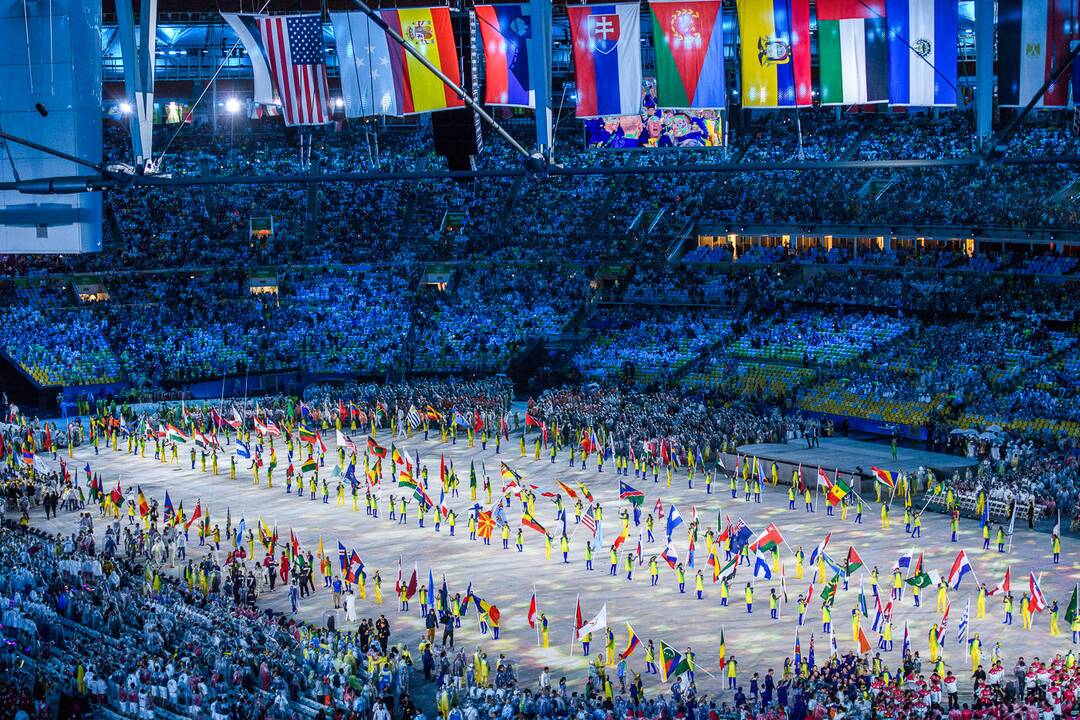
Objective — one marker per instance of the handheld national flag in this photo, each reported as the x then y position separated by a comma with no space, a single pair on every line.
961,566
674,519
634,496
632,641
883,476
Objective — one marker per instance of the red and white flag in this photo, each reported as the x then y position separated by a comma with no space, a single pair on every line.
1005,586
532,612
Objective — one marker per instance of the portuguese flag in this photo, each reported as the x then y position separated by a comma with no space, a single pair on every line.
689,53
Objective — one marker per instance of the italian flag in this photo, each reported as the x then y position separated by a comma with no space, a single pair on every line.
853,51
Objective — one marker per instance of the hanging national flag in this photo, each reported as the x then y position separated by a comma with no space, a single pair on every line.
507,34
776,53
689,44
370,79
922,63
853,52
796,653
144,507
293,46
169,511
607,58
1033,42
961,566
247,31
904,563
635,497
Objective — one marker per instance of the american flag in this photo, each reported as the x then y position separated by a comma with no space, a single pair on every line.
294,48
589,520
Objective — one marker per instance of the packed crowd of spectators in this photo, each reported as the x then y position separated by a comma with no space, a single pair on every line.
94,623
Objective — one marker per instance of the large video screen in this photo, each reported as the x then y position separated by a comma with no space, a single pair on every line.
656,127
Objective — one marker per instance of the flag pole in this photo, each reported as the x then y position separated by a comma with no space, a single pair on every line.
537,623
574,634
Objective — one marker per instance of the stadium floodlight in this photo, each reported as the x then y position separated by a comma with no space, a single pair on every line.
125,108
232,106
339,103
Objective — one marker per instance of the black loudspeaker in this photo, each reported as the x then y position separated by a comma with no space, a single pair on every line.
457,132
454,132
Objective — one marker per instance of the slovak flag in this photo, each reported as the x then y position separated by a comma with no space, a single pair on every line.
607,58
961,566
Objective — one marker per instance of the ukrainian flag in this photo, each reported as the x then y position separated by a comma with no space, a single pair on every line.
775,37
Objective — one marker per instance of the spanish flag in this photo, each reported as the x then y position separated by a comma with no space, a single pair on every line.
427,30
776,52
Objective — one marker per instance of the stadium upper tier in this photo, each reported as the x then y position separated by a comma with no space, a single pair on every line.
586,217
444,276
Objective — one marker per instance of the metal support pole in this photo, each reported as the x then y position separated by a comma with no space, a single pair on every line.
984,70
458,90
